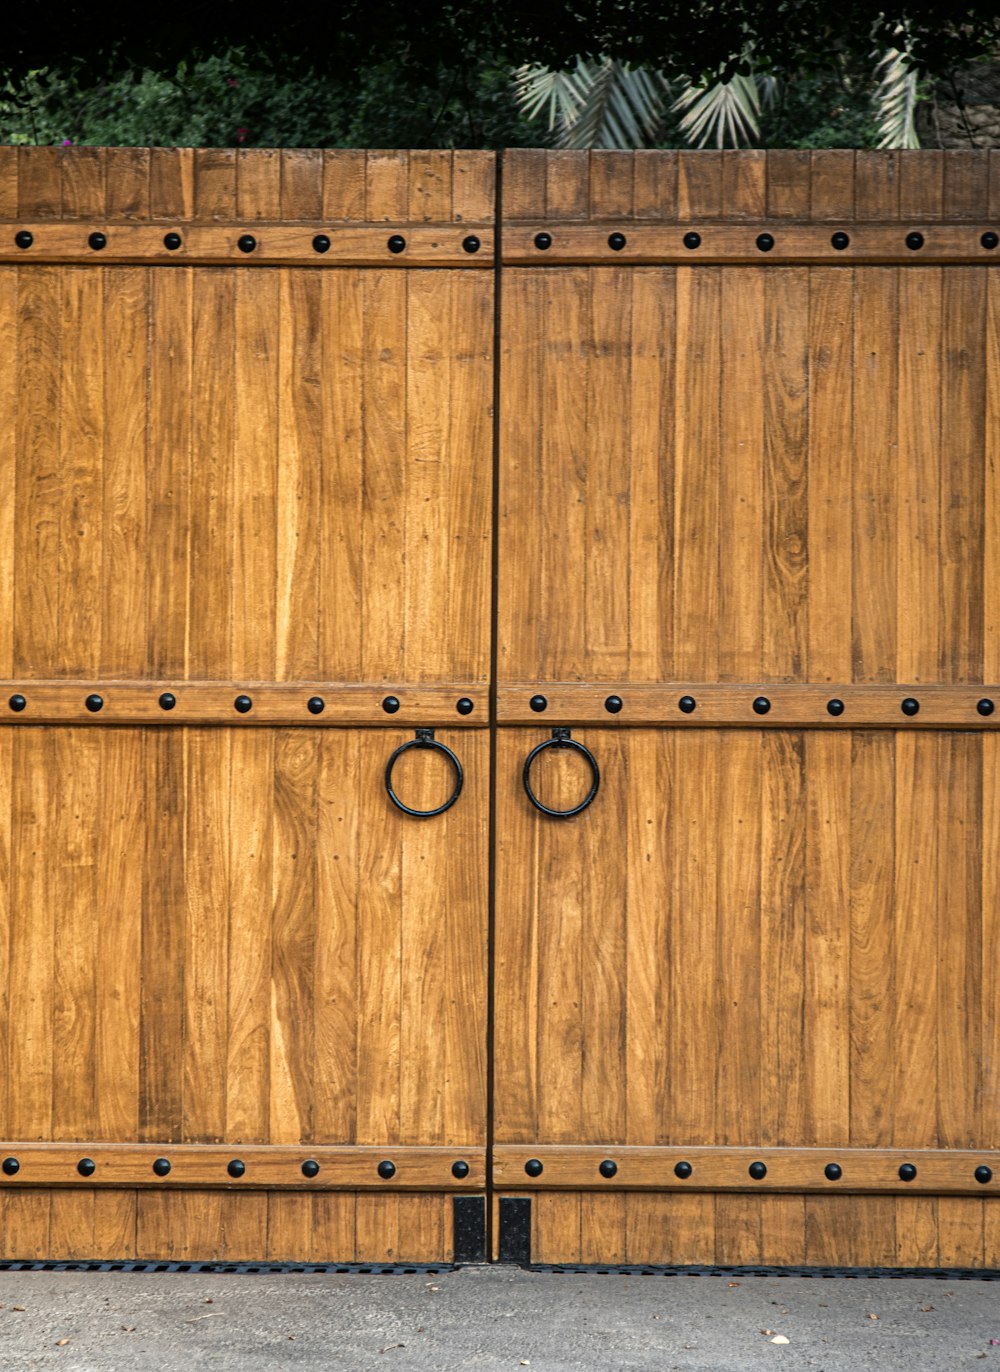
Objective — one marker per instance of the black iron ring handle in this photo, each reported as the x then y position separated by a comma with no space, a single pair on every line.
424,738
562,738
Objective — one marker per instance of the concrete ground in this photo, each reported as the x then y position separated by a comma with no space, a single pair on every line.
493,1319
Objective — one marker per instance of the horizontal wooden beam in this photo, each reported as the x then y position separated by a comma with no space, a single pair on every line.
764,243
234,1165
263,244
221,702
767,705
935,1171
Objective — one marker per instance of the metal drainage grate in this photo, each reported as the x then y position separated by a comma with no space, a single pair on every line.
264,1269
864,1273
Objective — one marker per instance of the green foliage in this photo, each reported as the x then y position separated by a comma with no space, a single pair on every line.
233,100
832,110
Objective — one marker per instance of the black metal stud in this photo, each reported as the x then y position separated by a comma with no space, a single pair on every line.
464,706
386,1169
833,1171
764,242
909,706
24,239
172,241
310,1168
538,704
321,243
687,705
907,1172
397,243
983,1174
246,242
683,1170
94,703
167,700
835,707
840,240
17,703
98,241
11,1167
242,704
161,1166
390,705
984,706
989,239
692,240
86,1167
757,1170
914,241
616,241
236,1168
471,244
613,705
608,1167
533,1167
761,705
460,1169
315,705
543,241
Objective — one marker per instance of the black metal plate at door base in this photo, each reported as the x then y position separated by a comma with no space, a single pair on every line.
858,1273
470,1229
515,1230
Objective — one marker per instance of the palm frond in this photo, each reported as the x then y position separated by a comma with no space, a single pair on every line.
727,113
601,104
896,101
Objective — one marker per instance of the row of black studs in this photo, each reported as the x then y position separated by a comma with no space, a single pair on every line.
761,705
242,704
236,1168
758,1170
765,241
396,243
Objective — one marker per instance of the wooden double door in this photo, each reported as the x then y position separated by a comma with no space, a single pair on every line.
634,487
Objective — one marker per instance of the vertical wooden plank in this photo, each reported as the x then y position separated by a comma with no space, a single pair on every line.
386,186
832,184
788,183
378,1229
334,1227
567,184
250,843
128,176
966,183
963,319
738,1228
699,185
39,477
258,185
8,182
991,515
344,184
71,1223
989,1123
473,191
243,1218
650,460
783,1230
300,436
611,176
602,1227
8,472
430,179
39,183
169,470
421,1228
171,183
210,518
164,915
696,481
831,375
118,963
874,474
301,183
744,184
124,425
741,475
384,476
555,1227
83,183
292,1063
206,969
214,183
786,491
289,1226
524,184
921,186
876,177
114,1225
343,490
960,1231
993,208
655,185
916,1231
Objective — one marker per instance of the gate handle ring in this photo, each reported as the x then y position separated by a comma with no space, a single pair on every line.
424,738
562,738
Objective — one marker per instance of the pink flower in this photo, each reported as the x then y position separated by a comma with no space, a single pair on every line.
241,135
67,143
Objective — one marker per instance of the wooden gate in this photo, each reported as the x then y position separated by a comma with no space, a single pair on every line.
743,572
